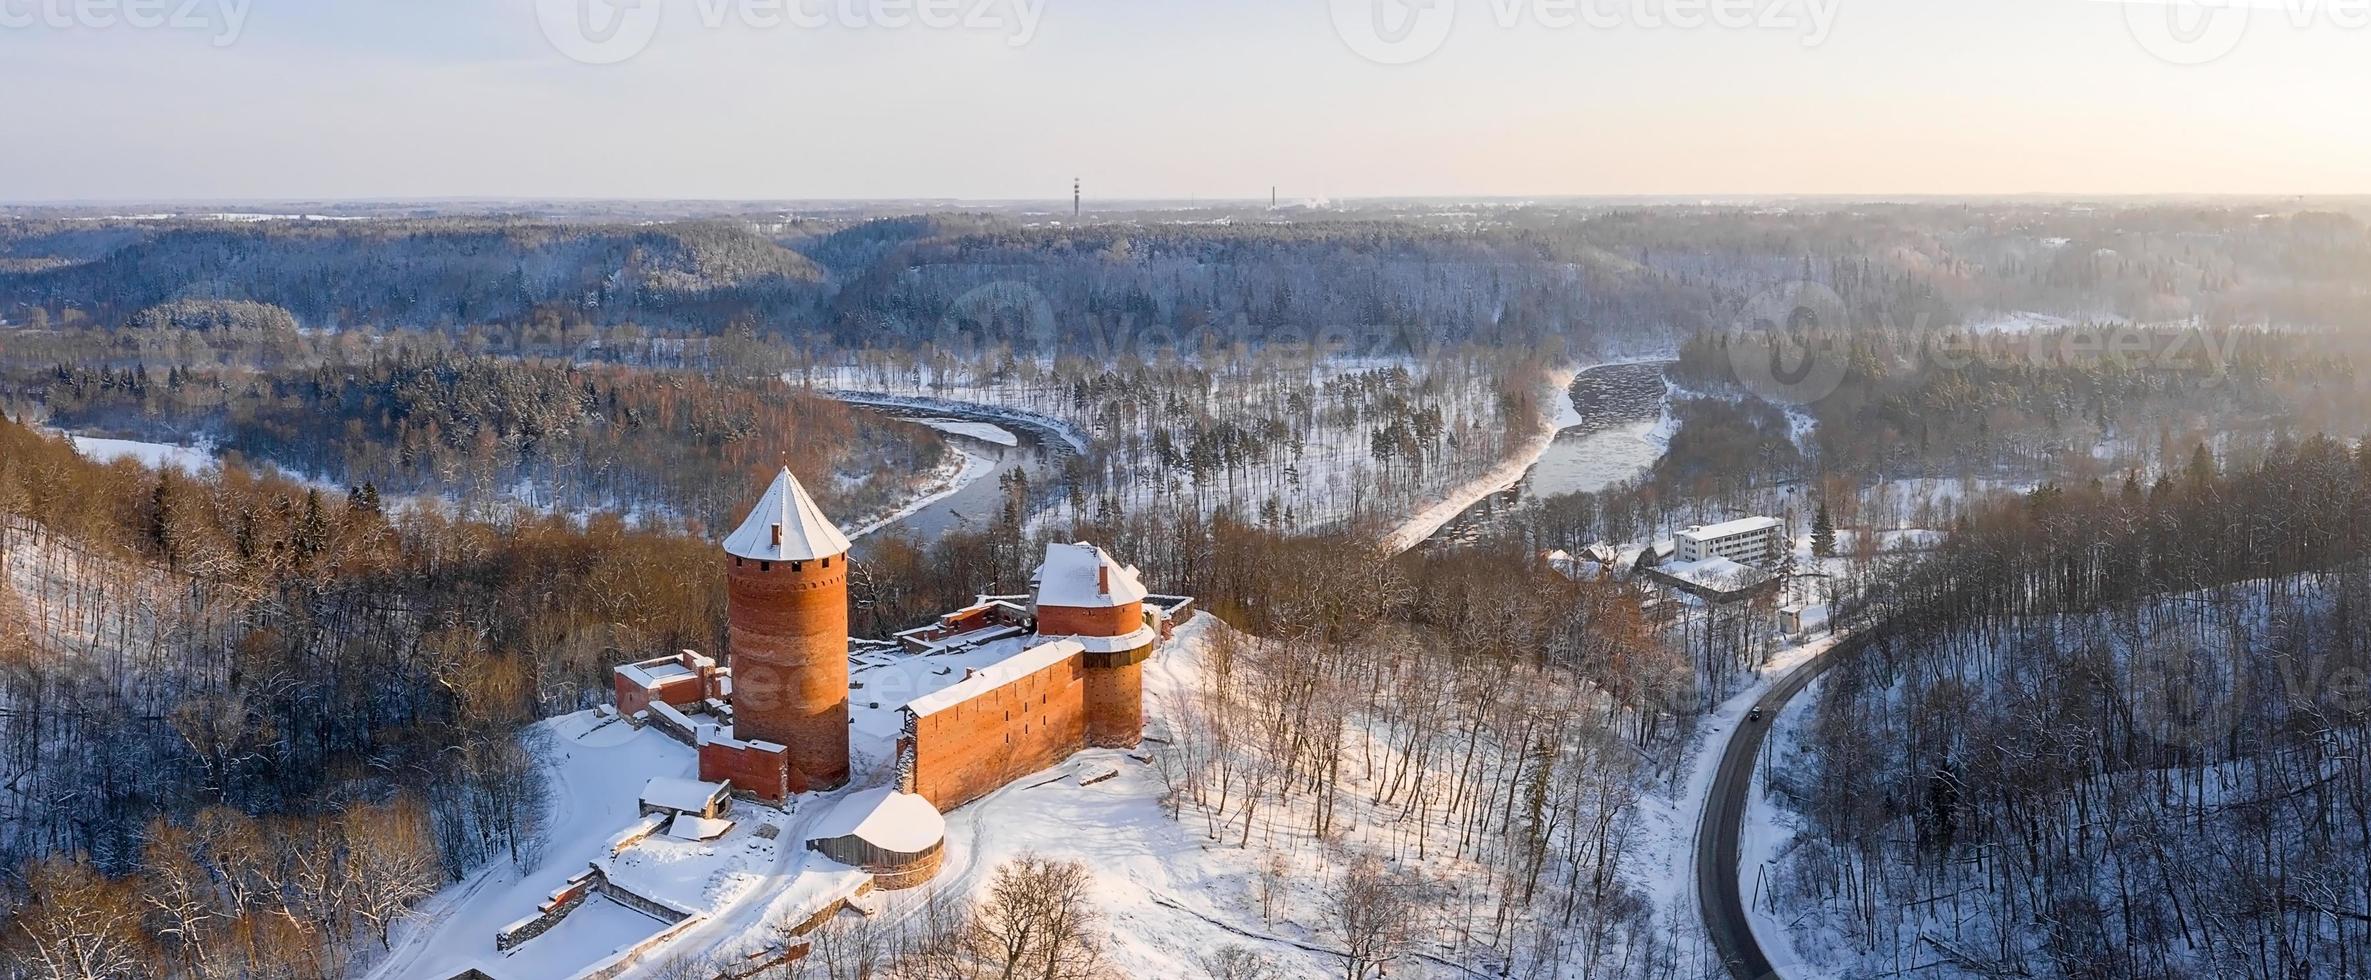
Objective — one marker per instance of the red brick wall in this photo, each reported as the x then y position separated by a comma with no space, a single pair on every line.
630,697
965,752
1115,699
680,691
1066,621
765,775
788,629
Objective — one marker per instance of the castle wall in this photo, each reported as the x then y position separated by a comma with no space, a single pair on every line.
968,750
1114,690
759,771
1114,681
788,630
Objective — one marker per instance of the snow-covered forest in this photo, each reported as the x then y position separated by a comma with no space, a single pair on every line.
2112,731
487,433
1282,438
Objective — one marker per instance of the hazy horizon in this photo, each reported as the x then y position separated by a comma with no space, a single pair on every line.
1006,100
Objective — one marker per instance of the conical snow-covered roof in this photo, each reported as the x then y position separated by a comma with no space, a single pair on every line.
786,526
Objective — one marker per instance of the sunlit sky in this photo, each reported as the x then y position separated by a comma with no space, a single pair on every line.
1209,99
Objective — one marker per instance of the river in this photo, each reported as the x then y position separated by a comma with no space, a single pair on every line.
1034,454
1619,435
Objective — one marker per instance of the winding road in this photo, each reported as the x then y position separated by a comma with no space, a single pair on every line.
1718,891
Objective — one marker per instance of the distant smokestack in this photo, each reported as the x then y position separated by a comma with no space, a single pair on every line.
777,535
1103,580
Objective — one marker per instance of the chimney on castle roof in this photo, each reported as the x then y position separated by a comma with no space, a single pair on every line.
777,535
1102,579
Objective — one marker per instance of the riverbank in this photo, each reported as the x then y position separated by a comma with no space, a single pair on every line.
1054,429
1593,402
1505,476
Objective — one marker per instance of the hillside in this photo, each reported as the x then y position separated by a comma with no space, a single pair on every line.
2100,734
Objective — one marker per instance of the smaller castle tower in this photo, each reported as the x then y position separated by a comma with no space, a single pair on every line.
1085,595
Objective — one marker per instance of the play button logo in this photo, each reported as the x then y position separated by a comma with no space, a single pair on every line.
599,32
1394,32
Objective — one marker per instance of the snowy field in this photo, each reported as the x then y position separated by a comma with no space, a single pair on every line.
188,459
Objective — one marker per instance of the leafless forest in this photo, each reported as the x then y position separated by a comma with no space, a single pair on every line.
2092,485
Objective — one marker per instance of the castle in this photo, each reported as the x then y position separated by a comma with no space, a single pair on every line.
1051,673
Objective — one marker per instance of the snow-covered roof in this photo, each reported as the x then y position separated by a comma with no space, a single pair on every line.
1139,638
680,794
1716,574
688,827
653,673
994,676
786,526
884,818
1081,576
1742,525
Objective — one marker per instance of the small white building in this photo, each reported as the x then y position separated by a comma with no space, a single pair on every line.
1750,540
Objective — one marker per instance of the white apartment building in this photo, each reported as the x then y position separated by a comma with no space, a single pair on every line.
1751,541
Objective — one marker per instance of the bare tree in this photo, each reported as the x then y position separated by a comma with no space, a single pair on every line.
1238,963
1372,910
1038,922
80,926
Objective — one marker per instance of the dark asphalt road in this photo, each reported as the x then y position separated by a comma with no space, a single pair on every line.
1717,887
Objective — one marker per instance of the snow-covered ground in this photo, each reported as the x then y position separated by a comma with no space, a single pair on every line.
1768,832
1170,891
1301,443
2017,322
154,455
1945,914
1669,818
596,772
1497,479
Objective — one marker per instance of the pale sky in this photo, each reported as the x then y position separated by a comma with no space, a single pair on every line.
329,99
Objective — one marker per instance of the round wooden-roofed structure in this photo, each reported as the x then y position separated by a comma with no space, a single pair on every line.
898,837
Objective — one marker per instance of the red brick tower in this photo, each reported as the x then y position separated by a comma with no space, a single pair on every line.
787,586
1083,594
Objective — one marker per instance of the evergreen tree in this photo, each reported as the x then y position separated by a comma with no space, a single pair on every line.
1823,533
